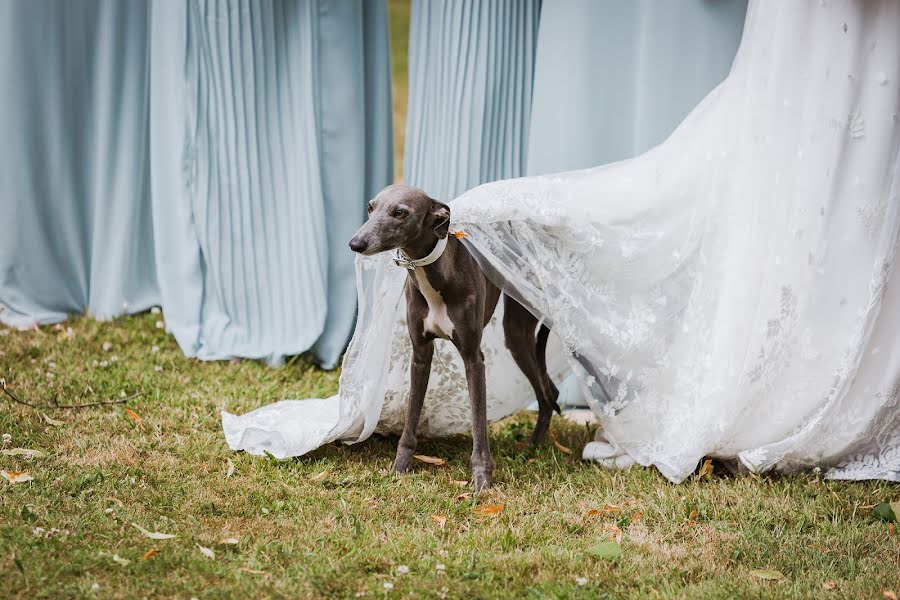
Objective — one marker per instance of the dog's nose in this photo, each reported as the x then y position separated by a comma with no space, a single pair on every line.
358,245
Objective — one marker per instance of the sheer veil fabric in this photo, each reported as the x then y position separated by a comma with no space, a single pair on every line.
732,293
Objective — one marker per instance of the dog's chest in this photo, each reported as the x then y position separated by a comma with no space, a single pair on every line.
437,321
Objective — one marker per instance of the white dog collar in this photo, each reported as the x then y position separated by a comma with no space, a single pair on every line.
401,260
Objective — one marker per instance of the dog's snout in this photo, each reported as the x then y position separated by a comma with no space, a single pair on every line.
358,245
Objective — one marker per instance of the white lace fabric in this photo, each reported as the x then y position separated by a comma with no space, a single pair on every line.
731,293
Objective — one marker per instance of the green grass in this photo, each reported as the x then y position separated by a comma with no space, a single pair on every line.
336,523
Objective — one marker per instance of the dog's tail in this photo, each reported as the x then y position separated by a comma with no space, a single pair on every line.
542,337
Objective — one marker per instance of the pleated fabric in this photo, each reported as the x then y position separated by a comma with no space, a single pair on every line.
614,78
471,66
212,156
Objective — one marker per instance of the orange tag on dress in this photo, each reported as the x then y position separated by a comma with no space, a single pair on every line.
459,234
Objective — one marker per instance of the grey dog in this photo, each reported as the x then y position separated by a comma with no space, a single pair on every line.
448,296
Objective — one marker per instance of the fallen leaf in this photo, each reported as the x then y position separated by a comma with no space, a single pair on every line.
207,552
691,517
889,595
320,476
230,542
707,469
53,422
890,529
491,510
885,511
153,535
149,553
441,521
459,482
607,509
559,446
122,561
768,575
14,477
230,471
613,529
829,585
25,452
464,496
637,517
134,417
431,460
606,550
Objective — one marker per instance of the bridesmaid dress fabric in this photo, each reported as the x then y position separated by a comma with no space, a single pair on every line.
208,156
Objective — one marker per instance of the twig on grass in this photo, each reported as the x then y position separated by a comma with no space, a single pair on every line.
57,405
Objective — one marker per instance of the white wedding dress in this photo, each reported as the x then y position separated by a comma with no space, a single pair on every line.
731,293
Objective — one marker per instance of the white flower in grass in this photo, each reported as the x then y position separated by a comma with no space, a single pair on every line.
155,310
158,369
103,363
154,349
388,585
7,439
160,325
440,568
402,569
107,346
581,581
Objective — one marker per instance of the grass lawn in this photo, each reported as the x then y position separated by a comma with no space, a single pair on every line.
337,524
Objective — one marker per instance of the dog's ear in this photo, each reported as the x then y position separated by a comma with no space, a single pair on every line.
440,219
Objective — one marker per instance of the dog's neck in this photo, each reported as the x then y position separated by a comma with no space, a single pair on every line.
420,248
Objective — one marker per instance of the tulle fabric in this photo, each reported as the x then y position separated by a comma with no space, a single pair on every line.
732,292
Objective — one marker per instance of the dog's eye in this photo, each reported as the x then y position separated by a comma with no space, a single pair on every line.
400,213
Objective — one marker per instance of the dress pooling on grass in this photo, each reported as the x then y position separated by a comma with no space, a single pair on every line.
732,292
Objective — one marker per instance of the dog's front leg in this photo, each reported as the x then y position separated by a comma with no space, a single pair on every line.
482,462
419,372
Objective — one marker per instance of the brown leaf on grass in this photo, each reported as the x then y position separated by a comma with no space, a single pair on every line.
149,553
707,469
691,517
608,509
464,496
891,529
829,585
431,460
614,531
559,446
491,510
16,477
889,594
636,517
440,520
868,506
320,476
134,417
459,482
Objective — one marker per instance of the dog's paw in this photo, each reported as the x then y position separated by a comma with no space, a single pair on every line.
401,464
482,481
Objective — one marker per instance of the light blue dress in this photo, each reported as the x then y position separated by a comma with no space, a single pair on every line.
500,89
211,156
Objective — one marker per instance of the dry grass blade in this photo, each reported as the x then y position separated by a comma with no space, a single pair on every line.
559,446
431,460
134,417
706,470
153,535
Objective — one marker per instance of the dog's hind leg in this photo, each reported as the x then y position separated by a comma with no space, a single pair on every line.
519,328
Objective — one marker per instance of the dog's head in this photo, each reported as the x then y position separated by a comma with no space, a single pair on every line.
401,216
